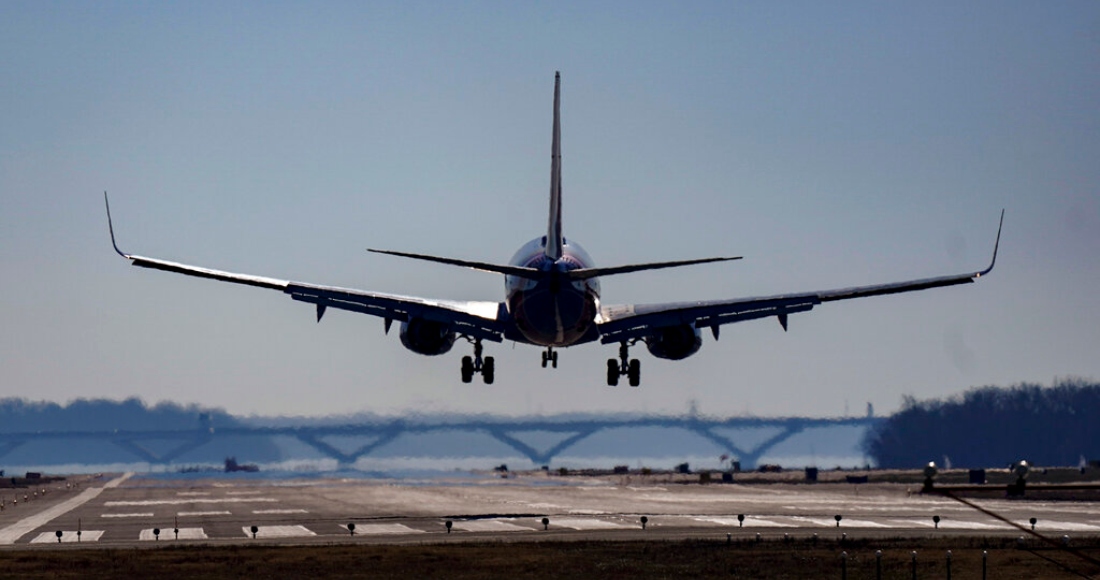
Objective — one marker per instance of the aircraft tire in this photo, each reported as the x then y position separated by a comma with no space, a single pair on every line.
467,369
635,372
612,372
488,370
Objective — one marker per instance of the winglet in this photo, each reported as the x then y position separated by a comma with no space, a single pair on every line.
554,241
995,246
111,226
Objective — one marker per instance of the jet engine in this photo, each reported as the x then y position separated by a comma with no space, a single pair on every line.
427,337
674,342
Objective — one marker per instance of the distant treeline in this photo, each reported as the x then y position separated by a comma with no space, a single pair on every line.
103,415
993,426
21,415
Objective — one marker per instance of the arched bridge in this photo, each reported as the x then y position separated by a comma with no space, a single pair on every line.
370,437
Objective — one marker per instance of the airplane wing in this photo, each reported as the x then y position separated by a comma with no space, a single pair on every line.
635,321
484,320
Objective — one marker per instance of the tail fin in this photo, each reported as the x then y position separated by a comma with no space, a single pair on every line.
554,241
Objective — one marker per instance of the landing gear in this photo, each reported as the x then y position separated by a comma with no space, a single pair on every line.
475,364
632,368
550,356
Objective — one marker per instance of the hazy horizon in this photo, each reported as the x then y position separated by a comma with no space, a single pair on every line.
831,146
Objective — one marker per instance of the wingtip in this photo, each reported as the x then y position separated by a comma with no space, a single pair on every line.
111,226
996,246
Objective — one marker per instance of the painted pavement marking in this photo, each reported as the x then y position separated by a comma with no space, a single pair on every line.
141,515
384,529
68,537
169,534
278,531
26,525
750,522
190,501
490,526
585,524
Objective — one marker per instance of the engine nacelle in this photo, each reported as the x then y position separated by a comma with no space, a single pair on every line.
674,342
427,337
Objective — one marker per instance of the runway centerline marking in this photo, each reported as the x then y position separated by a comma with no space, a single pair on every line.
140,515
287,511
189,501
212,513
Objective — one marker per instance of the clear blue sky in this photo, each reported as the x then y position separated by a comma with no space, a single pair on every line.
831,145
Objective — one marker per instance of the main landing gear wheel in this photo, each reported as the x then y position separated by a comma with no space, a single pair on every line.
632,368
475,364
467,369
550,356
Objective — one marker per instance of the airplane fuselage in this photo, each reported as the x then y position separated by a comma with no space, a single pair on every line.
552,310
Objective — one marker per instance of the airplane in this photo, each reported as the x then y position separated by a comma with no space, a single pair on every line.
552,299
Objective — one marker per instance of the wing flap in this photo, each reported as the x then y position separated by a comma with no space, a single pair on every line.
476,319
638,321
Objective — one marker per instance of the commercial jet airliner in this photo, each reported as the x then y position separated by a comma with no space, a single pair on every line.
552,299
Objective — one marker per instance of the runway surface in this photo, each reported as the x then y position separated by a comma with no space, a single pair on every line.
124,509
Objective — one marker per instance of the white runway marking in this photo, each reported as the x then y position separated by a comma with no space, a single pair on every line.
291,511
141,515
584,524
250,492
214,513
278,531
490,526
68,537
380,529
192,493
169,535
26,525
749,522
947,524
844,523
1061,526
147,502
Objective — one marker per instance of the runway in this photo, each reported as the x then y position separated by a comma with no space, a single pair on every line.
122,510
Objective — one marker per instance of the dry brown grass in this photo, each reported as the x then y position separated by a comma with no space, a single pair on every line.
560,559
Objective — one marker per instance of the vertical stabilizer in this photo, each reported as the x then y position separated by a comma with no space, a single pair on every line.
554,240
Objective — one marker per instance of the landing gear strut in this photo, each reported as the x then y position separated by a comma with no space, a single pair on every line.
550,356
632,368
475,364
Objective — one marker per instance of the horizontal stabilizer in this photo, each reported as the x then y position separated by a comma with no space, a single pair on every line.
520,271
585,273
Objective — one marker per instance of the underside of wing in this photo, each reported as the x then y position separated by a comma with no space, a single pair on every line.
627,322
631,322
483,320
